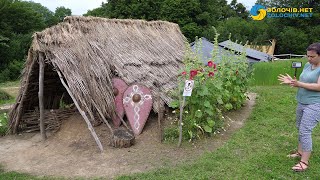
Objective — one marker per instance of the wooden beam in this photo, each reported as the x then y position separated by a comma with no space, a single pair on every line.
19,106
41,103
160,115
83,114
102,116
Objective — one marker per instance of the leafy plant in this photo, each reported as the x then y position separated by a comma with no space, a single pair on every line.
218,87
3,124
4,96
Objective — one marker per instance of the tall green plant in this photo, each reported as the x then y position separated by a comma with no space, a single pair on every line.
217,88
3,124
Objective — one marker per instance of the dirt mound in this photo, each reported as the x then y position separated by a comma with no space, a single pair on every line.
72,152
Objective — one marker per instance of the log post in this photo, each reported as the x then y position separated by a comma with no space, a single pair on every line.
102,116
83,114
41,104
160,115
16,111
180,120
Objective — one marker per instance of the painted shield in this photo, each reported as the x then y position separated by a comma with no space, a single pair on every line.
137,101
119,86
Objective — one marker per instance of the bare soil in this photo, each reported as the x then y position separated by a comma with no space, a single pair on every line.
72,152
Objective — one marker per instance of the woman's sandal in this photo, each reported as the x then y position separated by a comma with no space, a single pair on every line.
294,155
300,167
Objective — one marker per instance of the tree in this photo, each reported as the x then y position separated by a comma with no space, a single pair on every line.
14,19
184,13
293,41
3,41
61,12
195,17
313,34
239,10
4,4
98,12
46,14
242,30
18,21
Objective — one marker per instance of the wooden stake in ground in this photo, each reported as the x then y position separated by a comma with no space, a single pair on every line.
160,115
180,121
187,91
40,94
83,114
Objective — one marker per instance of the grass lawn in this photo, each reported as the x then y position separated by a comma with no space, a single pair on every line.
8,88
256,151
10,84
266,73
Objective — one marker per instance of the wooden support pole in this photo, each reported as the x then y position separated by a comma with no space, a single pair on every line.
160,115
102,116
18,107
123,122
40,94
180,121
83,114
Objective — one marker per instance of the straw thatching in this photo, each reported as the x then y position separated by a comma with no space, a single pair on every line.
88,52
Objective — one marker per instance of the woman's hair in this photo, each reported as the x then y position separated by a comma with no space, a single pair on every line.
314,47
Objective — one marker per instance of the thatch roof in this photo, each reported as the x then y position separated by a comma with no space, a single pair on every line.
89,51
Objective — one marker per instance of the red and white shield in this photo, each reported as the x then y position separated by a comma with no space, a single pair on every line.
119,86
137,101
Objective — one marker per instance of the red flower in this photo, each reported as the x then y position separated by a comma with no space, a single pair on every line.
193,73
183,73
214,66
211,74
210,63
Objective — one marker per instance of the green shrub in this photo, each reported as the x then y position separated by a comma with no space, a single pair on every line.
171,133
3,124
217,88
12,71
4,96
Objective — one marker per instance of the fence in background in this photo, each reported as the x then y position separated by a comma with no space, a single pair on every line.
286,56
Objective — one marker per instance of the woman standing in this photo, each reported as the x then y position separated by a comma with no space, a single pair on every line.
308,108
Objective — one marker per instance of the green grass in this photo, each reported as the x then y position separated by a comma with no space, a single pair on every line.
4,96
256,151
7,96
265,73
3,123
15,175
10,84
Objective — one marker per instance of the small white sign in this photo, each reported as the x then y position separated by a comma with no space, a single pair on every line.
188,86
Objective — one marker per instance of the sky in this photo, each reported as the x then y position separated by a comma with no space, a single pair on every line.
79,7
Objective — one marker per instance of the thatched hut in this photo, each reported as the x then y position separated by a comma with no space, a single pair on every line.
85,53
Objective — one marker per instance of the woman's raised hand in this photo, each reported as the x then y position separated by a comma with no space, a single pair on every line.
285,79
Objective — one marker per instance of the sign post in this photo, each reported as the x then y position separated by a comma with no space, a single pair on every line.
296,65
188,86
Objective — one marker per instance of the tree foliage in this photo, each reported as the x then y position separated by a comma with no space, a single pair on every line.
61,12
18,21
195,18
